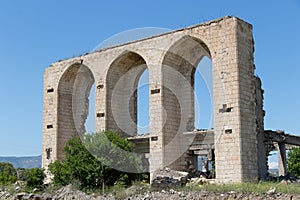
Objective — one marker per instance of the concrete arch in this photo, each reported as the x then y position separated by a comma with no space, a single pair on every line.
171,59
73,91
181,59
187,47
121,92
184,55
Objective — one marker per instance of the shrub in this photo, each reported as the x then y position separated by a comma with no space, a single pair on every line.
79,168
62,173
35,178
82,169
8,173
293,161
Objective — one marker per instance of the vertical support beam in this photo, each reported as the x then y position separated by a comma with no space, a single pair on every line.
49,120
262,157
156,144
100,91
246,98
281,159
234,85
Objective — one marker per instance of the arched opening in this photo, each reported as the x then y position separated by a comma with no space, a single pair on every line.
187,100
90,120
124,97
73,104
203,104
127,97
143,116
187,65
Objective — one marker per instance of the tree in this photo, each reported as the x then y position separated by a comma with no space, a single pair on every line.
35,178
62,173
115,153
293,161
81,168
8,173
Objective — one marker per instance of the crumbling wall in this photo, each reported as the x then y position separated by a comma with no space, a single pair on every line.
67,88
262,152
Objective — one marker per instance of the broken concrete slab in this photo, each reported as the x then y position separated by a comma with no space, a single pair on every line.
167,178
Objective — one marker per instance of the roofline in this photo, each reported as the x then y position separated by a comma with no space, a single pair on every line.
208,23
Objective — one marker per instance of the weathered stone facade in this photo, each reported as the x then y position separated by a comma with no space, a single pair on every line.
171,59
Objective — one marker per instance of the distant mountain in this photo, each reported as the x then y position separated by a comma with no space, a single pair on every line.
23,162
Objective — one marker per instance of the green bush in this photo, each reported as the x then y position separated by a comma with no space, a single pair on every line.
79,167
114,152
8,174
61,172
82,169
293,161
35,178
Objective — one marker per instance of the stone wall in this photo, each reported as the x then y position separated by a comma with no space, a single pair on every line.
171,59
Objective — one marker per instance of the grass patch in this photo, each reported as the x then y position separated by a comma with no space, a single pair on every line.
119,191
259,188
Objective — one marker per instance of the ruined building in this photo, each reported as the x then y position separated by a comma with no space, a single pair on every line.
238,143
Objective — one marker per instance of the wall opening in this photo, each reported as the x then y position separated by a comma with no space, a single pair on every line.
182,76
143,116
126,98
127,101
273,163
74,90
49,126
48,153
203,95
50,90
90,120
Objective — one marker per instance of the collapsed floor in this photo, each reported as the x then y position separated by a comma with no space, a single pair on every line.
200,157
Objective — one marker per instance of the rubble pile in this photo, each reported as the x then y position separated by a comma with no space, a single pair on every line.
167,178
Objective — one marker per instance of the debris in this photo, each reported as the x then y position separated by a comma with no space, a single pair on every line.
272,191
167,178
20,195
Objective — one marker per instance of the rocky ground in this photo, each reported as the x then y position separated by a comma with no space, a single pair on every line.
69,192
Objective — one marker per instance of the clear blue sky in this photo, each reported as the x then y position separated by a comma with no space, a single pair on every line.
34,34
